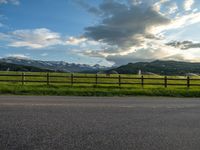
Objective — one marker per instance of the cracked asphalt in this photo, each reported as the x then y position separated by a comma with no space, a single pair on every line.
99,123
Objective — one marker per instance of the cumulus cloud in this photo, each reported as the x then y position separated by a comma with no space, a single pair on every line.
185,45
135,31
166,7
35,38
126,31
172,8
188,4
44,38
121,24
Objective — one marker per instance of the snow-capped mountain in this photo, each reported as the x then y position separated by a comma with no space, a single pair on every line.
54,65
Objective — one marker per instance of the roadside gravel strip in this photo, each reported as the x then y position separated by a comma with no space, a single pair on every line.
99,123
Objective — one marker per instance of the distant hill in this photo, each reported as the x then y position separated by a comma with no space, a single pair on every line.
160,67
13,67
155,67
57,66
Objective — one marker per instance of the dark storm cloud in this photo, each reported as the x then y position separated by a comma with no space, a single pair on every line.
185,45
121,23
130,58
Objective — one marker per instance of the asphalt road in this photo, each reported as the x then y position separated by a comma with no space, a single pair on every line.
83,123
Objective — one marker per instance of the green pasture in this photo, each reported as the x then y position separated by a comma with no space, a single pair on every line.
79,79
60,84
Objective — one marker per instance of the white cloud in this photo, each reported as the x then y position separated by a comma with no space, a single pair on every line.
121,24
4,37
157,5
188,4
141,45
42,38
19,56
149,50
178,23
155,51
135,2
15,2
173,8
166,7
140,36
75,41
34,39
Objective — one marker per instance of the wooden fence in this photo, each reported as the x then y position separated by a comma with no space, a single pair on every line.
99,80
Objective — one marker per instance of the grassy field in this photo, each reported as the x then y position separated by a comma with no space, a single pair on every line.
62,85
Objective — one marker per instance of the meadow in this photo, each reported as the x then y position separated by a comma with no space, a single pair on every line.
40,83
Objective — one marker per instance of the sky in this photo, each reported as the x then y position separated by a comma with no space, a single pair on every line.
105,32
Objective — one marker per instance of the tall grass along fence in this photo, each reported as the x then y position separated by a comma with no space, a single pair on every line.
98,79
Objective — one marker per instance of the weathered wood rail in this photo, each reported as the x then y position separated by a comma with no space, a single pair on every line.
96,79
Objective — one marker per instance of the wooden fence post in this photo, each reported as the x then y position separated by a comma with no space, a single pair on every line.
96,79
72,79
119,80
165,81
142,81
23,78
188,82
48,79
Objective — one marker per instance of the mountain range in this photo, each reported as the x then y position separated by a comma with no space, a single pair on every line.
155,67
56,66
159,67
14,67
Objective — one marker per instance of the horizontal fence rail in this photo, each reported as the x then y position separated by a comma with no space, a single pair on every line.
96,79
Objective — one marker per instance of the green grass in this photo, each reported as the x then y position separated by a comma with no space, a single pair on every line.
66,89
7,89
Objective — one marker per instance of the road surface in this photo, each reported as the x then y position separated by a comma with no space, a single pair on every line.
90,123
